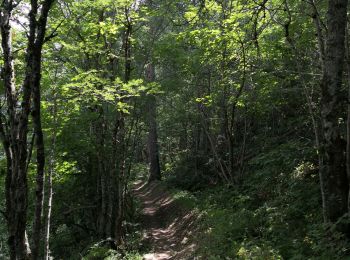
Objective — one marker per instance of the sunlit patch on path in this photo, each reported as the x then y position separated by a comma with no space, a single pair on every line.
168,228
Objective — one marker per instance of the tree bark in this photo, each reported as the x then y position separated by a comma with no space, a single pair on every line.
154,169
100,132
16,150
119,137
15,135
334,183
40,29
50,172
348,112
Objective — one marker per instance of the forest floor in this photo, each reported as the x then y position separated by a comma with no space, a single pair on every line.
168,227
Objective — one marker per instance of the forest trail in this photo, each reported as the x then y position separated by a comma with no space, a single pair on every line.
167,226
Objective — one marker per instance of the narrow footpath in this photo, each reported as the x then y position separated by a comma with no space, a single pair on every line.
167,227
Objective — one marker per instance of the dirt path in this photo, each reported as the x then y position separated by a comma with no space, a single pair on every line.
168,227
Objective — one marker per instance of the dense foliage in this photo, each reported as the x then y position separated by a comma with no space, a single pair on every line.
232,102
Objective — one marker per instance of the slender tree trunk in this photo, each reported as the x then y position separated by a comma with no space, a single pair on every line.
348,114
183,140
320,35
35,77
40,157
118,232
334,182
49,207
50,172
119,136
100,132
154,169
223,171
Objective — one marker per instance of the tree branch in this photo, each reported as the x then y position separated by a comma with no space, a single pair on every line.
53,33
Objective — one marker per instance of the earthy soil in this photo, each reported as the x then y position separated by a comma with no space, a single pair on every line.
168,227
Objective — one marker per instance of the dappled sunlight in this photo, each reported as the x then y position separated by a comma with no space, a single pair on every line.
157,256
170,129
168,228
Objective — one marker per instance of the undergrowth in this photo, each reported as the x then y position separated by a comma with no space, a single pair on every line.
130,249
105,253
93,249
275,213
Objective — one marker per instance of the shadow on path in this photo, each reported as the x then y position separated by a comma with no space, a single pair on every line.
168,227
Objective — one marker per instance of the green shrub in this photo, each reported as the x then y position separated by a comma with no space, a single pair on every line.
250,251
98,252
275,213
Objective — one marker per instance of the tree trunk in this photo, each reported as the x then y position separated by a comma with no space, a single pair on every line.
100,132
119,178
35,77
49,208
40,157
15,134
154,169
334,183
16,147
119,137
50,172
